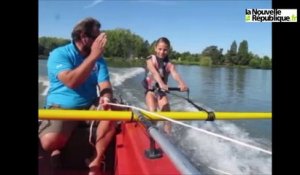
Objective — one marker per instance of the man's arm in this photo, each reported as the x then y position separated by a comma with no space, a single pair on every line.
106,94
74,78
106,90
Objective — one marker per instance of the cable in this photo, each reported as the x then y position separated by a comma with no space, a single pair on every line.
91,128
195,128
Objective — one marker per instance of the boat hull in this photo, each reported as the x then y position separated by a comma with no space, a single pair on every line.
131,145
125,154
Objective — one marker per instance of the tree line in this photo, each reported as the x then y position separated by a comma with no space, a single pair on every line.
126,48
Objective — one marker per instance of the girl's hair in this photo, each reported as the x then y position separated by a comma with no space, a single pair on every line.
164,40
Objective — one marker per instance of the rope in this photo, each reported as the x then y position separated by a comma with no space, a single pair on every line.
195,128
220,171
210,113
88,161
91,128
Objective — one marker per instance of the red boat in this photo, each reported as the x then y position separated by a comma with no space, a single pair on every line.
137,148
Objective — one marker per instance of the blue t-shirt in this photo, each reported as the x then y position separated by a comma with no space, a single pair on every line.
68,58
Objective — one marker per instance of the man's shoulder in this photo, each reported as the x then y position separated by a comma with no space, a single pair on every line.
101,60
62,50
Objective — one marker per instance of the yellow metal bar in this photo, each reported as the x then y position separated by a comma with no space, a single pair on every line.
243,115
45,114
201,115
84,115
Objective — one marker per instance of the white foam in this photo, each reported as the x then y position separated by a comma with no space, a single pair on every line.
117,77
216,153
45,82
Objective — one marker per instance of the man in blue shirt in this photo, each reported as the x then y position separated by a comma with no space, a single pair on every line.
75,71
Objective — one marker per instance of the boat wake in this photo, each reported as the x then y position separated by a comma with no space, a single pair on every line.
43,85
118,76
213,154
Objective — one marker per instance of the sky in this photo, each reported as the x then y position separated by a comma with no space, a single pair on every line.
191,26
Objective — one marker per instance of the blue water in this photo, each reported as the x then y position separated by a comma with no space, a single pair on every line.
222,89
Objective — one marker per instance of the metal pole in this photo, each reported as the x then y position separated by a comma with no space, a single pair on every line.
179,160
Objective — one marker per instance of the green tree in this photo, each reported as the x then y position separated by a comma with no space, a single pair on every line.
185,56
205,61
125,44
213,53
233,48
145,49
47,44
266,63
231,55
243,55
255,63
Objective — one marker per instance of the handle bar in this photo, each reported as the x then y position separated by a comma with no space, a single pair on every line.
178,89
174,89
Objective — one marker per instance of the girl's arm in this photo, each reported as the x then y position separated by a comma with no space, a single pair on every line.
176,76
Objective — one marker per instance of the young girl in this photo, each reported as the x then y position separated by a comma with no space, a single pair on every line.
157,71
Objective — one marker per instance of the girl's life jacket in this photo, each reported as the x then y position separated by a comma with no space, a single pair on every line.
163,68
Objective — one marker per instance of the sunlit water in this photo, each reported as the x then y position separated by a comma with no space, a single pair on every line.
222,89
